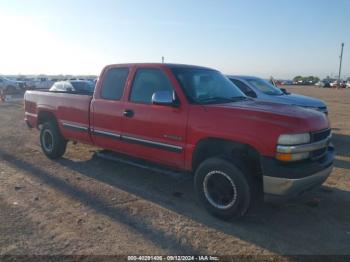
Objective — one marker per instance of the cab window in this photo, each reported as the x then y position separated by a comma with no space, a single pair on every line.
113,83
148,81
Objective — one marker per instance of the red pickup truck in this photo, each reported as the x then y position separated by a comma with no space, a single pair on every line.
192,119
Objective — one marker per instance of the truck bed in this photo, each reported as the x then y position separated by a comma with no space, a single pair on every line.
72,111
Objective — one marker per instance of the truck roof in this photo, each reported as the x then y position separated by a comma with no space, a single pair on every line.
169,65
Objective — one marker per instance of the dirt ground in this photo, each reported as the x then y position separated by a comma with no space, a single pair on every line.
85,205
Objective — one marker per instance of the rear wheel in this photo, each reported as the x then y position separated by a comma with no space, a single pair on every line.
223,189
52,142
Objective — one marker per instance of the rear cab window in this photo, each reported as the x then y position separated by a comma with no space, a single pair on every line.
114,83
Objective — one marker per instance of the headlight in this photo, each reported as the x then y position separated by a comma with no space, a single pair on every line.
295,139
291,140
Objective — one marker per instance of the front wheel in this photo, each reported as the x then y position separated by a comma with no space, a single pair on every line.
52,142
223,188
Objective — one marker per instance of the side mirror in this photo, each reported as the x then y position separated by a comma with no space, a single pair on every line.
165,98
284,91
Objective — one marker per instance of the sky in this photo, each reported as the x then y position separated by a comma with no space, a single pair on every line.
280,38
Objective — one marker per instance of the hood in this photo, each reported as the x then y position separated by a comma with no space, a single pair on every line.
293,118
299,100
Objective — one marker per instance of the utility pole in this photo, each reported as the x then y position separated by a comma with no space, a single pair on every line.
341,60
162,59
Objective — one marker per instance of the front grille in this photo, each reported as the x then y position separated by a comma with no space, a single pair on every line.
320,135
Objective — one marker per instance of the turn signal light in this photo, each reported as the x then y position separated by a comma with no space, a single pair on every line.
292,157
284,157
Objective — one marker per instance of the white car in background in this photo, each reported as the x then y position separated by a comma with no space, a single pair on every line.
40,83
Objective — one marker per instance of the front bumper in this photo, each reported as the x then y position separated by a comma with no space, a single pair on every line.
290,180
293,187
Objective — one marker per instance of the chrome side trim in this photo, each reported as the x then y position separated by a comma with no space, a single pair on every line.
304,148
131,139
287,186
152,143
75,126
105,133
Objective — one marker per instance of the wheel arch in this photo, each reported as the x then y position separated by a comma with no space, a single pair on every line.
46,116
244,155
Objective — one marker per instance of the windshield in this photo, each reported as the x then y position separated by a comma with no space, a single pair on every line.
203,86
264,86
84,87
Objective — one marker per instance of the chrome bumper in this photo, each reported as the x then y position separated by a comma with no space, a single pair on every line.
290,187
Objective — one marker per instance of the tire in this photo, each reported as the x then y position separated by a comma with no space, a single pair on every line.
52,142
223,189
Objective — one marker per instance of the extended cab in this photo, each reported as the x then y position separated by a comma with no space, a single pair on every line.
192,119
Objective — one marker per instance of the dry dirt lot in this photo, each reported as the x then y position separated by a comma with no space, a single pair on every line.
85,205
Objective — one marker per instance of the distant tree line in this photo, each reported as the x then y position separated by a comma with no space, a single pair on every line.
306,79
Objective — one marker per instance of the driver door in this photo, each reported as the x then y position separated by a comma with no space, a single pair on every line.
153,132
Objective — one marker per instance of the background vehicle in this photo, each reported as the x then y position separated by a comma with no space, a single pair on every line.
11,89
78,86
286,82
325,82
333,83
320,84
9,84
262,90
191,119
347,85
305,80
337,83
39,83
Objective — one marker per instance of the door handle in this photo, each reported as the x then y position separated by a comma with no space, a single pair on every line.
128,113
